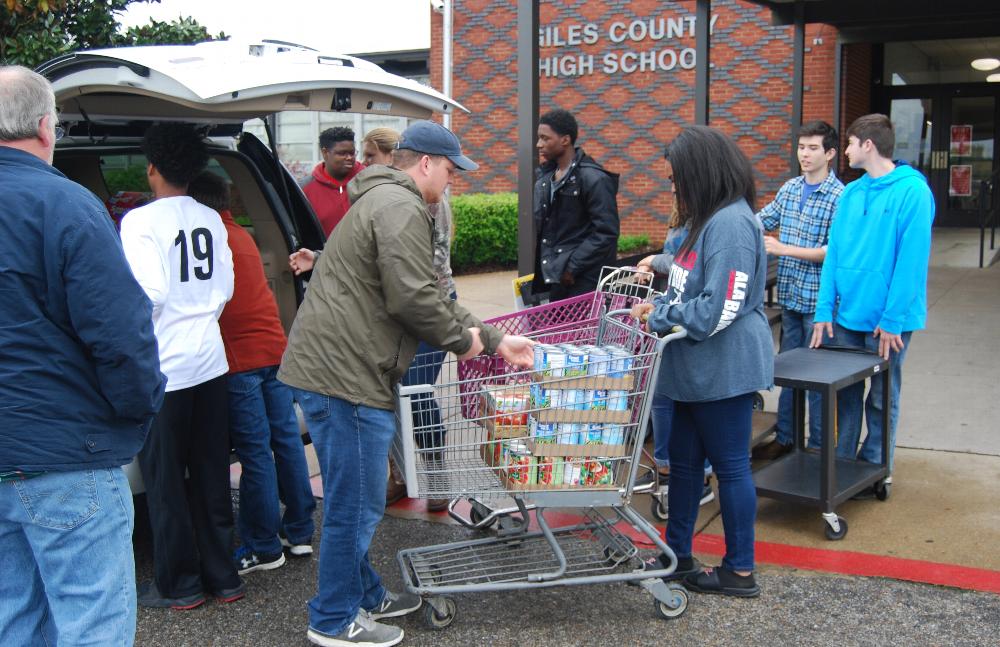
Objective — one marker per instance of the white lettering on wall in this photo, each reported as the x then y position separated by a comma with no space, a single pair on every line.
660,30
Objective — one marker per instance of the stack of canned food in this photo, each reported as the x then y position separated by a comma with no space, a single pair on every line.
572,360
521,467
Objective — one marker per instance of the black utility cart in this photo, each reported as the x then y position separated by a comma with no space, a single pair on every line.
804,476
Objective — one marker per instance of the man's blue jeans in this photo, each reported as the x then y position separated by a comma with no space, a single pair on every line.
261,421
849,402
352,444
67,574
796,332
720,431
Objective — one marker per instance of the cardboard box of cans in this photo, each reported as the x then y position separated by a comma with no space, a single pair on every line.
520,469
504,410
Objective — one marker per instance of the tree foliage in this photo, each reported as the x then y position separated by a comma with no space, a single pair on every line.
34,31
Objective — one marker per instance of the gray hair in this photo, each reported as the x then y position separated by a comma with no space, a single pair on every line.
25,97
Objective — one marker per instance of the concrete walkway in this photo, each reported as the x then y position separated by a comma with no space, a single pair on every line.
944,504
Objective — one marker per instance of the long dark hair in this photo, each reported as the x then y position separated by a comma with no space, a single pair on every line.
710,172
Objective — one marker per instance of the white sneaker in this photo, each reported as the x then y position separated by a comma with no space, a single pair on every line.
296,550
362,632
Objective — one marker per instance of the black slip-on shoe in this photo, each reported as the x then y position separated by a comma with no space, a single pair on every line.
149,596
722,581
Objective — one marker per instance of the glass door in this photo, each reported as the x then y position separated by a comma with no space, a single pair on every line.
971,154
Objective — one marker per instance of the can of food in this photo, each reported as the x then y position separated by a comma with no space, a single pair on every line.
617,400
614,434
596,471
545,398
621,363
599,400
575,399
521,468
598,361
545,432
576,362
594,434
549,470
554,362
569,433
571,472
540,364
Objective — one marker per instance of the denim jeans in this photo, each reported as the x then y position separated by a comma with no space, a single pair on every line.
67,574
849,402
720,431
352,444
796,332
661,415
261,422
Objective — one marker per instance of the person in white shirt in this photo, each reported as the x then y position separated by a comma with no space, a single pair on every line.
178,251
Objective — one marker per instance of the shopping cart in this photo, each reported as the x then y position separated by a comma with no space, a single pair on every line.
546,440
619,288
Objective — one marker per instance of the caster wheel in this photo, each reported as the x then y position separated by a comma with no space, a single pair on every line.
659,509
882,490
476,516
437,621
615,557
836,536
758,402
677,608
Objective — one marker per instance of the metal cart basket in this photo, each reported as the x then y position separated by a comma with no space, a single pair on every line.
568,434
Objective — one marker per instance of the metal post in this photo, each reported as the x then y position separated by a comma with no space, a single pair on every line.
527,120
703,23
446,37
798,79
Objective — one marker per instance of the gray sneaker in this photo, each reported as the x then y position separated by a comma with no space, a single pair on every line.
362,632
395,605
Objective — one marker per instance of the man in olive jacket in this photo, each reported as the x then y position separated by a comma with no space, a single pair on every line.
373,296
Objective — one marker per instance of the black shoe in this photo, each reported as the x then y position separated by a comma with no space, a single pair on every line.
685,566
771,451
149,596
651,479
247,561
722,581
225,596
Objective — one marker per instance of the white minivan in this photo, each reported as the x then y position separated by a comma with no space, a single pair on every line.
107,98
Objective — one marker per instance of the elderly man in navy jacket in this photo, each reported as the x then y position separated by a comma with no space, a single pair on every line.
79,384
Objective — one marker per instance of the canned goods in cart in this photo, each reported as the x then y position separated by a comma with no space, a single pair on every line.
599,399
545,398
550,470
617,400
598,361
614,434
621,363
576,362
554,364
570,433
596,471
545,432
540,362
595,434
521,468
571,472
576,399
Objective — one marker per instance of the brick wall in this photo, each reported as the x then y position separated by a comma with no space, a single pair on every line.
626,118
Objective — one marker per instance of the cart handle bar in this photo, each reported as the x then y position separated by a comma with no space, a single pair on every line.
675,333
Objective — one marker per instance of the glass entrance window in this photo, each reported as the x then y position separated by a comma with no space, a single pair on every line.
970,151
912,122
927,62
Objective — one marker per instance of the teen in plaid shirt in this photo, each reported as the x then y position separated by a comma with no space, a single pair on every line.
801,212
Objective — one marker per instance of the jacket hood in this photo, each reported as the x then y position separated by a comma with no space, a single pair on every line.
903,171
320,175
583,161
377,175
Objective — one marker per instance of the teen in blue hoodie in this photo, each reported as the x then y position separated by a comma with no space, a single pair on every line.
873,289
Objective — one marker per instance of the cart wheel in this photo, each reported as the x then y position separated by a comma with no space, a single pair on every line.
437,621
659,509
758,402
836,536
883,490
614,557
679,604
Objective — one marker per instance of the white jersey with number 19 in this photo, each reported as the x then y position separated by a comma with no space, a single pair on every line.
179,253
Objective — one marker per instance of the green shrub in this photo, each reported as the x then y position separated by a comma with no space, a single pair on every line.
132,178
485,230
630,243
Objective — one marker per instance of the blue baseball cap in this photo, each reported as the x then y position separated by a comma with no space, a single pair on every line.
432,138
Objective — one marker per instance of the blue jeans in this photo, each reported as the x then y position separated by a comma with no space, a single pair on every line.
662,415
849,402
796,332
720,431
352,444
261,422
67,574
